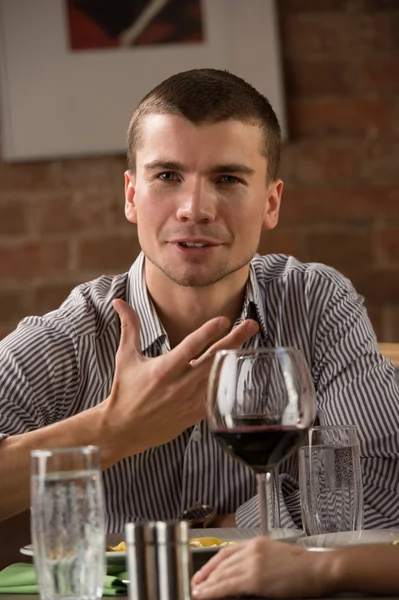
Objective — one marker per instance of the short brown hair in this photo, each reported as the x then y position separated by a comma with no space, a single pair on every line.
209,96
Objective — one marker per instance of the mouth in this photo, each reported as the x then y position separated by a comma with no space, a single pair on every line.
194,244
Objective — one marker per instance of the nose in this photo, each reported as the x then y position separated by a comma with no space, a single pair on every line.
197,204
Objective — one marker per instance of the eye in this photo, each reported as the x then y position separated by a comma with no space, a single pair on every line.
168,176
229,179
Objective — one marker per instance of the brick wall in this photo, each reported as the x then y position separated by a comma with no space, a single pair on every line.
62,222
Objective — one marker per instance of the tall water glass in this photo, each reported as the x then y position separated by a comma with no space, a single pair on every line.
330,480
67,523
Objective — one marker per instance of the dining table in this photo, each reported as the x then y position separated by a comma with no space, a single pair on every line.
339,596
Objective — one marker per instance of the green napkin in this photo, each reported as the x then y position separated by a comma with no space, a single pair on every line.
21,579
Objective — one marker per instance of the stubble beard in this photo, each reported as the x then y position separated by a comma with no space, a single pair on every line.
194,279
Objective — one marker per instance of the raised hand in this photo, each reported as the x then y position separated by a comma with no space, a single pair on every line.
154,399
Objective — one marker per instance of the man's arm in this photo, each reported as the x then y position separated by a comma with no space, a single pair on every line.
355,384
144,409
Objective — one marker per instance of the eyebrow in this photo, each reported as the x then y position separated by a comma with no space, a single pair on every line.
172,165
167,165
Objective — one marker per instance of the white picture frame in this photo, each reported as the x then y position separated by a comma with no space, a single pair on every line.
58,103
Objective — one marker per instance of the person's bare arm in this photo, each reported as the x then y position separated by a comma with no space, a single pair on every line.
151,402
267,568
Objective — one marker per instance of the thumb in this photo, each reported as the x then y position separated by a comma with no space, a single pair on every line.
130,326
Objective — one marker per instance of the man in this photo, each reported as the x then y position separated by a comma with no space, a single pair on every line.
202,183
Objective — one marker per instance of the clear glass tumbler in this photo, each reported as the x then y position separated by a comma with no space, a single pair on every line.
67,523
330,480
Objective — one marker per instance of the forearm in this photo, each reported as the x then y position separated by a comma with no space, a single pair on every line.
86,428
366,569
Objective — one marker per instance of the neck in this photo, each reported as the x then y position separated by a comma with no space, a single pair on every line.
182,310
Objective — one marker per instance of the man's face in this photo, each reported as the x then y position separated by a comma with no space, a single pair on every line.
200,198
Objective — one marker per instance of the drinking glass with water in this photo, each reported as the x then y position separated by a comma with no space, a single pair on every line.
67,523
330,480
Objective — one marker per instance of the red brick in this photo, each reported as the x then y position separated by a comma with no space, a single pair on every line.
378,5
387,239
107,254
14,304
379,161
4,331
392,334
339,204
75,212
95,173
298,6
394,117
310,78
13,217
33,259
378,286
26,176
319,161
49,296
339,35
381,75
349,116
337,248
282,241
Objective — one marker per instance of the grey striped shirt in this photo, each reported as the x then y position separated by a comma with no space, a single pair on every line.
55,366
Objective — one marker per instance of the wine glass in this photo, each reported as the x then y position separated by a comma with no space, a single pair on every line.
260,405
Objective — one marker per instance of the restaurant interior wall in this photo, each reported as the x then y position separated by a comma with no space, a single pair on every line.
62,222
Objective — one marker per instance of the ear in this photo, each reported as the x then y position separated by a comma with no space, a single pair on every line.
272,207
130,191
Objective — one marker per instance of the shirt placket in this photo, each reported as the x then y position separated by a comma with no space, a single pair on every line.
191,492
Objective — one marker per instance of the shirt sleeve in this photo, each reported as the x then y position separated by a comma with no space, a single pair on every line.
356,384
39,373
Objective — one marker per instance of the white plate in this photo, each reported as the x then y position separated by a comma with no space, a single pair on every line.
112,557
226,534
349,538
233,534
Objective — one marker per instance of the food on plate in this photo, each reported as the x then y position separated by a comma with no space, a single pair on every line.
201,542
121,547
208,542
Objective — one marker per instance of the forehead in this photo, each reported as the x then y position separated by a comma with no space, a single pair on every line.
176,138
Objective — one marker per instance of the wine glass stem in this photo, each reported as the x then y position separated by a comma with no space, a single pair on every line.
264,492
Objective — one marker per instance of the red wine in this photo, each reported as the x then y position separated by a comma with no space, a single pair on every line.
260,446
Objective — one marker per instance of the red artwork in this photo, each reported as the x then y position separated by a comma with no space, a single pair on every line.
119,23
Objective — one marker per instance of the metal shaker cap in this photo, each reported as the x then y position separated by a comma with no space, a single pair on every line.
172,532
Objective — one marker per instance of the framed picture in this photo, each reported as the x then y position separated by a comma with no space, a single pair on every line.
73,71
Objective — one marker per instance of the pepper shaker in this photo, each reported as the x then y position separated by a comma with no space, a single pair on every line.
159,560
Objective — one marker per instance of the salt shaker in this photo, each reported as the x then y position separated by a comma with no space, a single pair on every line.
142,561
174,560
159,560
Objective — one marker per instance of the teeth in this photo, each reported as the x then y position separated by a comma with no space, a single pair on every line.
193,245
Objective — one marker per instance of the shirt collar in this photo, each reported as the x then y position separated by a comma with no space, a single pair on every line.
151,328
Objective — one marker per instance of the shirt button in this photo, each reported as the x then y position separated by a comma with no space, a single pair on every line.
196,436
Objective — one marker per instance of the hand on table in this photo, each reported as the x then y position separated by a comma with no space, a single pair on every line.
154,399
261,567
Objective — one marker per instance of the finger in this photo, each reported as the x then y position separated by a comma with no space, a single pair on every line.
195,343
215,561
130,326
235,339
230,583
